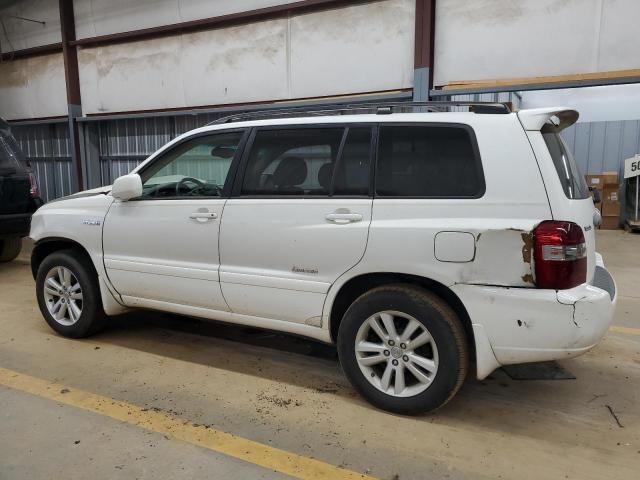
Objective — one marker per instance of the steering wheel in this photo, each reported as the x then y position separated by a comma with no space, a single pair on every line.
184,180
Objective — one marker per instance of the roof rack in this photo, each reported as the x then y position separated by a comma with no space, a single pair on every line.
365,108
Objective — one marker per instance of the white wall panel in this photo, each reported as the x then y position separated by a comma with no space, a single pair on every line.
235,65
33,87
348,50
619,39
489,39
196,9
357,49
131,76
103,17
22,34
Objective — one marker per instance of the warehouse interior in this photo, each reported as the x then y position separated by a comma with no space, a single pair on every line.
91,88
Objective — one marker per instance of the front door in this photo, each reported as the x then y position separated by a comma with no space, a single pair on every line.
162,248
298,219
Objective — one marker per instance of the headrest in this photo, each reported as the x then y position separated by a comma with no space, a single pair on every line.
289,172
324,175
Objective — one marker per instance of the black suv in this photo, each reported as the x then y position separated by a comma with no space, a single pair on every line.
19,196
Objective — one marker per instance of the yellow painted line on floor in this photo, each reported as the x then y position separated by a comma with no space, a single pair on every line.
625,330
178,428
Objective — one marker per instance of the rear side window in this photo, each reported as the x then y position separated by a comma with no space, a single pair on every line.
309,162
352,173
428,161
573,183
292,161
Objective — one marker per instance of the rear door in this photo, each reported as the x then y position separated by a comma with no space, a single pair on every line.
298,219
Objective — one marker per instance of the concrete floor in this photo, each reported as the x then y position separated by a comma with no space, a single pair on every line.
290,393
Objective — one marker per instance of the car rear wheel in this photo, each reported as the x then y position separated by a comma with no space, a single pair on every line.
403,348
68,294
10,248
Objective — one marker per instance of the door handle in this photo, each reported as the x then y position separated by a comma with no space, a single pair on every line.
203,216
342,218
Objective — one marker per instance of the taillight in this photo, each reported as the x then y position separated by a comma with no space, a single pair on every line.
560,255
33,186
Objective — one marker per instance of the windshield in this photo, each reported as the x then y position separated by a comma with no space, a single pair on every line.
573,182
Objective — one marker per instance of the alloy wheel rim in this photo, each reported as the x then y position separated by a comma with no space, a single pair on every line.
63,296
396,353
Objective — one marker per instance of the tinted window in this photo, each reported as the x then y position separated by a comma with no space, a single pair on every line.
292,161
573,183
353,169
195,168
428,161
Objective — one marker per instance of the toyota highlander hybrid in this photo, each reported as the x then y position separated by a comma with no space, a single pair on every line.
424,245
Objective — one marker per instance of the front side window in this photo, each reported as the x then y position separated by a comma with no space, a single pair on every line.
195,168
428,161
573,182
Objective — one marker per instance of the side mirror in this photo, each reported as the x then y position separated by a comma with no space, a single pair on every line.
127,187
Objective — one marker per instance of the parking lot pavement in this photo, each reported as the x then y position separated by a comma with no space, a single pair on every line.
289,395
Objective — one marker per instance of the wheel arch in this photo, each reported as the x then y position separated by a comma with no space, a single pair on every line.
46,246
360,284
49,245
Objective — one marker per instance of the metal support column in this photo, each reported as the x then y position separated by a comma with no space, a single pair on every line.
424,42
72,80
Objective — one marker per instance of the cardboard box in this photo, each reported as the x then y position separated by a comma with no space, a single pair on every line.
610,201
610,222
609,179
610,194
610,209
594,181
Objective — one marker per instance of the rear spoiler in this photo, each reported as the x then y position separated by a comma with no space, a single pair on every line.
558,117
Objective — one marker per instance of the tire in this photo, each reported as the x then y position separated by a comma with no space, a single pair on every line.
92,317
436,351
10,248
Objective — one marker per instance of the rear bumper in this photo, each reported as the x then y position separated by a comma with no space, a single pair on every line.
15,225
523,325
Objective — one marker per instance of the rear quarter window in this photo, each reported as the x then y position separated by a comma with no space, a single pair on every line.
428,161
572,181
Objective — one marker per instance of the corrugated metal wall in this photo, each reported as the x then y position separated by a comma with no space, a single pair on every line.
47,148
603,146
126,143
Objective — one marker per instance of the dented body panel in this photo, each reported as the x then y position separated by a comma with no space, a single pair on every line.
503,258
533,325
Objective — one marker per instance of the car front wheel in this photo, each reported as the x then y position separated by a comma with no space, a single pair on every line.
403,348
68,294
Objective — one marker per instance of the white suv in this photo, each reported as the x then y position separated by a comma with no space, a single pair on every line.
420,243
